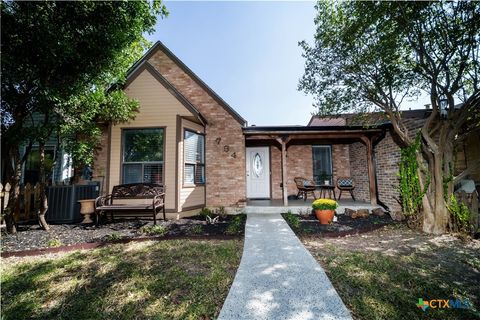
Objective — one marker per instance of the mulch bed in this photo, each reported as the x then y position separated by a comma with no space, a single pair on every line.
93,245
309,225
32,237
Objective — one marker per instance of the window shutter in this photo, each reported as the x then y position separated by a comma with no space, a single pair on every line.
189,174
191,147
200,147
194,158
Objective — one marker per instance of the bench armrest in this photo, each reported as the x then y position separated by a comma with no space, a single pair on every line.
103,201
158,200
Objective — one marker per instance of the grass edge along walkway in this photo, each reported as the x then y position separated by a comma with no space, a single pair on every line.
173,279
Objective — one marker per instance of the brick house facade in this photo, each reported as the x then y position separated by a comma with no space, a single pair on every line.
178,105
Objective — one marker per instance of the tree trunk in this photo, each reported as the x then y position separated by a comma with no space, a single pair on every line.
427,216
15,190
435,211
441,211
42,206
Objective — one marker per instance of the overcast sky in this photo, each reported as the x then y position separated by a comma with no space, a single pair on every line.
247,52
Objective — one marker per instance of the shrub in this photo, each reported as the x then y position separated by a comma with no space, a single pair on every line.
113,237
205,212
237,225
292,219
221,212
54,243
460,215
155,230
324,204
196,229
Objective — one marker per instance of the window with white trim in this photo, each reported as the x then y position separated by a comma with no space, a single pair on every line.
142,155
194,157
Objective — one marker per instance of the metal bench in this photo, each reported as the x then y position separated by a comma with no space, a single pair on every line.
106,204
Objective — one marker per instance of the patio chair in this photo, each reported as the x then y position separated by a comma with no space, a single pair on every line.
346,184
305,186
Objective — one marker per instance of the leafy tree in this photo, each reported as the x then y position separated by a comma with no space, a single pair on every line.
59,60
374,55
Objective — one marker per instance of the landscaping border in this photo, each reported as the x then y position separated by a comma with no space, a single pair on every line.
93,245
340,234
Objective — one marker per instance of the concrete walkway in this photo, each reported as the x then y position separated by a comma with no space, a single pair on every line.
278,278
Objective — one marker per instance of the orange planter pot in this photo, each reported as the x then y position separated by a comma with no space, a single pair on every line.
325,216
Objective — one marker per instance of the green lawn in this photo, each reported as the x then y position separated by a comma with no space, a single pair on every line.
383,274
178,279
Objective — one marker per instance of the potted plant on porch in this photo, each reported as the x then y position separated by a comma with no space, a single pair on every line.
324,209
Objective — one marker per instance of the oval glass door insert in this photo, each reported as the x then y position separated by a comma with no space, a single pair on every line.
257,165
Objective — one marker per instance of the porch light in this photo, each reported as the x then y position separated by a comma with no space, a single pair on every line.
443,104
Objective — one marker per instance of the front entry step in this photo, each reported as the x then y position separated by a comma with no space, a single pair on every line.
272,209
249,209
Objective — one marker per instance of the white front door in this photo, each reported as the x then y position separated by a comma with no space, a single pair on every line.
258,172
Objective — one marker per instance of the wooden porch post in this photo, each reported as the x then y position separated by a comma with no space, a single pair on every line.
283,142
371,170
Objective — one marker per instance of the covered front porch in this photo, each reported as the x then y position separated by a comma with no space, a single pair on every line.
323,153
300,206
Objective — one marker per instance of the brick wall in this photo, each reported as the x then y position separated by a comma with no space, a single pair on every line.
341,161
359,171
300,164
225,170
387,157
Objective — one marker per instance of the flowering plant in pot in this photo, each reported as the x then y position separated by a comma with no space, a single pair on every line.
324,209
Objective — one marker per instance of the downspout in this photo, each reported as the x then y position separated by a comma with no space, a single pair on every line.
374,144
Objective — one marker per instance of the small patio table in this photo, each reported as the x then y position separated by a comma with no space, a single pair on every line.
327,188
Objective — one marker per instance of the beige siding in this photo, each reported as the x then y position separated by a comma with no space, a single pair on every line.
158,108
189,196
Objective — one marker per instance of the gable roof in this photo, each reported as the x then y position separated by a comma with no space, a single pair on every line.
160,46
316,121
145,65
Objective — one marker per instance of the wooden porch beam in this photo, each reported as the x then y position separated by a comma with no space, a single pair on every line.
359,132
283,142
306,136
371,171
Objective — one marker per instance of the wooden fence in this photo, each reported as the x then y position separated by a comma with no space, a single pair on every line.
25,209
